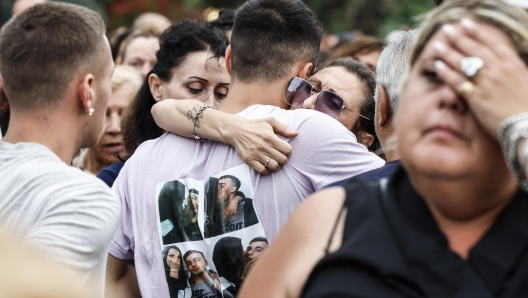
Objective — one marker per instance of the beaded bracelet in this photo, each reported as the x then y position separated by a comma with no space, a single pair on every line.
196,119
511,132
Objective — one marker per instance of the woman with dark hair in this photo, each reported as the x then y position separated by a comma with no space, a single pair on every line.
170,200
174,272
229,262
358,97
190,64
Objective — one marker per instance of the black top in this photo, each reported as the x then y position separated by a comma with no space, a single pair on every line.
392,247
384,172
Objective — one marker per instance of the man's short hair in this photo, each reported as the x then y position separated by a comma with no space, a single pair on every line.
234,181
189,252
270,36
43,48
259,239
194,191
392,65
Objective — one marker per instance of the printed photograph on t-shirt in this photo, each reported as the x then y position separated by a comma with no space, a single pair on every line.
228,204
210,233
188,272
178,209
211,268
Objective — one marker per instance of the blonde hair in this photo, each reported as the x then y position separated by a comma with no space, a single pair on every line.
512,21
126,75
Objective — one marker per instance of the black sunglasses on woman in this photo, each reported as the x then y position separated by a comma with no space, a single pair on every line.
328,102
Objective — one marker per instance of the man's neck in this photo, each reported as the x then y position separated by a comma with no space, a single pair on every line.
242,95
388,143
51,131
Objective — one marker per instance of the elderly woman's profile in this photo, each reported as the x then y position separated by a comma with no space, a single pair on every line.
452,221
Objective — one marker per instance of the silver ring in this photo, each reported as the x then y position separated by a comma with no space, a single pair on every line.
267,161
471,65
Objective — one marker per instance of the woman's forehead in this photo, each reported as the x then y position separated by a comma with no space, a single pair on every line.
439,36
338,80
335,77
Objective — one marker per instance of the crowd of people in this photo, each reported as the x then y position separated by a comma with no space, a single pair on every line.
254,156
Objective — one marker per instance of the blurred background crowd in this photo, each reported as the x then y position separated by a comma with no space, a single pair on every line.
343,20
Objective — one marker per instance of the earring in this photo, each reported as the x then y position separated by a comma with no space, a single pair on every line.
92,110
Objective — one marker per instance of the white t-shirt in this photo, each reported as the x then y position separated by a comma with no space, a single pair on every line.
156,182
70,215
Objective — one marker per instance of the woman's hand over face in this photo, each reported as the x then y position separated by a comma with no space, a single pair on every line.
501,85
255,140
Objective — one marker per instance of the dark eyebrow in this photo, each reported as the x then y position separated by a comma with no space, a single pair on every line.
201,79
224,84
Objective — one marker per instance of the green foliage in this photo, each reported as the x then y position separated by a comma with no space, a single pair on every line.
374,17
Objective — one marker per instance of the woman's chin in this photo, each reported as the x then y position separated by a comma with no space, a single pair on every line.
438,165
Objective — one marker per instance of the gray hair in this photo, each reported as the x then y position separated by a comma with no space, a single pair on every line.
393,63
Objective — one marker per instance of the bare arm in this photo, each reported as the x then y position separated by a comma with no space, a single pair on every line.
283,269
121,279
254,140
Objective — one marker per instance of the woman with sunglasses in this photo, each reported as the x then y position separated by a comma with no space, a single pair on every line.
343,90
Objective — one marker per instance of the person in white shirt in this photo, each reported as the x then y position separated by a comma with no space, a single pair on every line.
56,66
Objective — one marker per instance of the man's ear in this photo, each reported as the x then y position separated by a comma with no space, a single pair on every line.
228,59
365,138
86,94
383,108
305,71
232,190
156,86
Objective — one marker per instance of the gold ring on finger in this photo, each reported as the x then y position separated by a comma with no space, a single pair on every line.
466,89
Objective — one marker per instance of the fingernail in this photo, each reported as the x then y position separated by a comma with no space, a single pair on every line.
439,46
468,24
449,30
440,65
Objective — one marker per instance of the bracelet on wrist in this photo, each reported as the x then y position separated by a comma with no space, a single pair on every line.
511,133
196,119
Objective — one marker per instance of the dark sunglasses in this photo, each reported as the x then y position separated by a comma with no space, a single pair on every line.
328,102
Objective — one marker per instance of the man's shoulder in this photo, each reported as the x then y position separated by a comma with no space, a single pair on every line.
298,119
44,170
53,183
166,141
